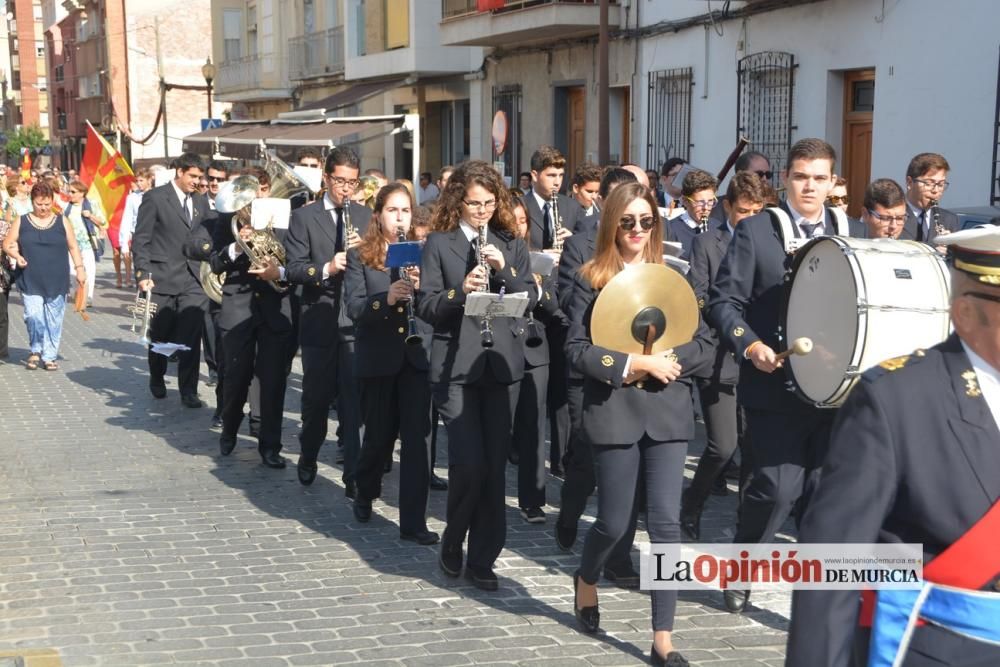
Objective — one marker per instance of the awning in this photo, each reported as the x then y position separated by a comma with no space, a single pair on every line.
353,95
248,143
206,141
322,135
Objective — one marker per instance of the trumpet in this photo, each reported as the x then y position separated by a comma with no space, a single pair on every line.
142,310
412,337
486,330
556,222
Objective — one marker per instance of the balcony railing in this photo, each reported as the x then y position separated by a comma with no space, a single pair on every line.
239,74
453,8
316,54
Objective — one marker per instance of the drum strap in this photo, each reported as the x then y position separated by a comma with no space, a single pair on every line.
970,562
792,241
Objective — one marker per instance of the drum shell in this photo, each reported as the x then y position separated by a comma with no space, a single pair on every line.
861,301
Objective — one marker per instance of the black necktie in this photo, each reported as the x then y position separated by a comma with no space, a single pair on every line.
920,226
809,228
187,208
339,247
547,241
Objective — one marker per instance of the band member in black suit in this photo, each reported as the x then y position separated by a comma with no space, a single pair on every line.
884,214
393,373
474,386
636,412
257,331
914,459
698,199
316,244
926,182
787,437
165,219
529,416
586,186
717,387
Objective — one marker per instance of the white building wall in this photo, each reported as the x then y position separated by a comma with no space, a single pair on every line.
936,76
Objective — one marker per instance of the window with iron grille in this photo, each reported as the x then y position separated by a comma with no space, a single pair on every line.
668,128
764,104
508,100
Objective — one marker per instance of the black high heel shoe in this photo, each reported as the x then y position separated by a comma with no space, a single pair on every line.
589,618
673,659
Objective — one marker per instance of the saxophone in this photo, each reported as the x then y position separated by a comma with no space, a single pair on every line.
486,330
556,223
262,246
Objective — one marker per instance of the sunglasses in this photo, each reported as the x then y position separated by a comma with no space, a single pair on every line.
216,179
766,175
837,200
628,223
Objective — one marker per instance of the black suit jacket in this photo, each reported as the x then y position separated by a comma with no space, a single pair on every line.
161,230
310,244
380,329
569,210
945,218
457,354
707,252
745,304
619,414
577,251
899,474
586,223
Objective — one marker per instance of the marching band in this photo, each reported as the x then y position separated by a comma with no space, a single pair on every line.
613,347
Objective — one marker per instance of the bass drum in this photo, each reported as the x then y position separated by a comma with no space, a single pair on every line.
861,301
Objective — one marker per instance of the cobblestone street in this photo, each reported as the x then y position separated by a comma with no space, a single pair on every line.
128,540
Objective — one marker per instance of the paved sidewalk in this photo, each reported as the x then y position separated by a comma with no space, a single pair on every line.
127,540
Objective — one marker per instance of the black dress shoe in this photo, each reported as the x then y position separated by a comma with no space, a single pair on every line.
216,421
438,484
589,618
690,523
272,459
254,430
192,401
450,560
424,537
350,490
736,601
673,659
362,510
565,536
623,578
307,472
227,443
158,390
482,578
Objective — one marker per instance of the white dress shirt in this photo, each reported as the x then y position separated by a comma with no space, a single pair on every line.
989,381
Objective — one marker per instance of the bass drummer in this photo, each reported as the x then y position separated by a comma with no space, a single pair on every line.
787,437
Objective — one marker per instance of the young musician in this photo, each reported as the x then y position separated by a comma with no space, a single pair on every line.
698,199
474,387
392,373
586,185
884,214
529,416
636,412
926,182
548,168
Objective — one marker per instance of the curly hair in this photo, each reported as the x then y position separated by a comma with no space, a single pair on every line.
450,202
372,248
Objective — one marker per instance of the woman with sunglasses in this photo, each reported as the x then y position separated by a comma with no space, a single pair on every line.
637,413
391,372
474,385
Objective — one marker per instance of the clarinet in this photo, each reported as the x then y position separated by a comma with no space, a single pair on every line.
348,227
412,337
703,222
486,332
556,222
934,204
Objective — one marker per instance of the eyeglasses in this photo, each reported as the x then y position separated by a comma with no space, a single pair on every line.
216,179
838,200
488,204
628,223
339,182
765,175
983,295
932,185
704,203
888,219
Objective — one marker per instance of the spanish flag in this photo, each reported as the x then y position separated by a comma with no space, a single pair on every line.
108,177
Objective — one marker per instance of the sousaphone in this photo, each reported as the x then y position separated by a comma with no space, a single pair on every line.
645,309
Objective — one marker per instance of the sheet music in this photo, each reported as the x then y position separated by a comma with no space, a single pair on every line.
166,349
542,263
270,209
677,263
478,304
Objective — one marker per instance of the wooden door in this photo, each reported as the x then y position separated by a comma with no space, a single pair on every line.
576,128
859,108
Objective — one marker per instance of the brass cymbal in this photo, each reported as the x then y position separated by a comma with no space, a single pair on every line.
645,289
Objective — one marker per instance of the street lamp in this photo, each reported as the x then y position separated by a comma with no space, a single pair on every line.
208,71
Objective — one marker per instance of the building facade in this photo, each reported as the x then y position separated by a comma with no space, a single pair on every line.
26,102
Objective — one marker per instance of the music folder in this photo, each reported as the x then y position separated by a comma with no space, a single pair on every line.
479,304
402,254
542,263
270,210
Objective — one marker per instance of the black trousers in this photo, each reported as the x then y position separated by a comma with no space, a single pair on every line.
4,323
618,470
327,371
211,339
724,427
179,319
557,398
389,405
478,419
580,481
255,352
529,437
787,450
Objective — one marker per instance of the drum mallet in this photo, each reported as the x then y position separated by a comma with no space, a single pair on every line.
799,346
